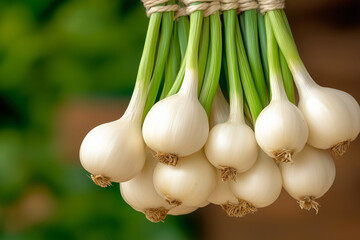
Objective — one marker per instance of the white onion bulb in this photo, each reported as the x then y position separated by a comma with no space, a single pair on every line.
141,195
281,130
190,182
258,187
309,177
177,126
113,152
231,148
333,116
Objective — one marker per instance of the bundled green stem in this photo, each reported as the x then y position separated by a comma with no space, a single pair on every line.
213,67
262,40
251,39
277,87
138,99
235,91
203,51
172,63
249,88
284,38
163,50
287,79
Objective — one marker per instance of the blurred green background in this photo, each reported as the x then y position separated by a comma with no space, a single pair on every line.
52,52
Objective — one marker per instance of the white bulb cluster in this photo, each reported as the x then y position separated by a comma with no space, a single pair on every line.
179,159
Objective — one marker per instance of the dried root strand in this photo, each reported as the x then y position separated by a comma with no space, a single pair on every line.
167,158
308,203
227,173
246,207
156,214
238,210
172,202
340,148
101,180
232,210
283,156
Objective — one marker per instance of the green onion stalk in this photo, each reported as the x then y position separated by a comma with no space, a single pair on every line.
138,99
203,54
251,94
248,21
263,47
172,64
286,73
163,50
213,66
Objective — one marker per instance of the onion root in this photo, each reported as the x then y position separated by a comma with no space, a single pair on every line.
227,173
156,214
283,156
167,158
238,210
101,180
308,203
340,148
232,210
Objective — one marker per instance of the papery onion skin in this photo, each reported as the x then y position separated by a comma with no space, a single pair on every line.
261,184
310,175
115,150
190,182
281,126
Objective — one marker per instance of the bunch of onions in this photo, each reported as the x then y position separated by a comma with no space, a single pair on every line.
167,159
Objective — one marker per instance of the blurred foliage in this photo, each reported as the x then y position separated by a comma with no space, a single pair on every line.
50,51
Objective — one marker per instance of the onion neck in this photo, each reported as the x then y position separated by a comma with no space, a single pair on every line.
235,90
287,45
276,84
191,78
136,106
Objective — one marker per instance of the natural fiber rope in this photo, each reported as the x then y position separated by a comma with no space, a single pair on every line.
245,5
150,6
229,4
207,6
268,5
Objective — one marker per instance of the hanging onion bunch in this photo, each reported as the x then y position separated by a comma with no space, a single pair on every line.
180,145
